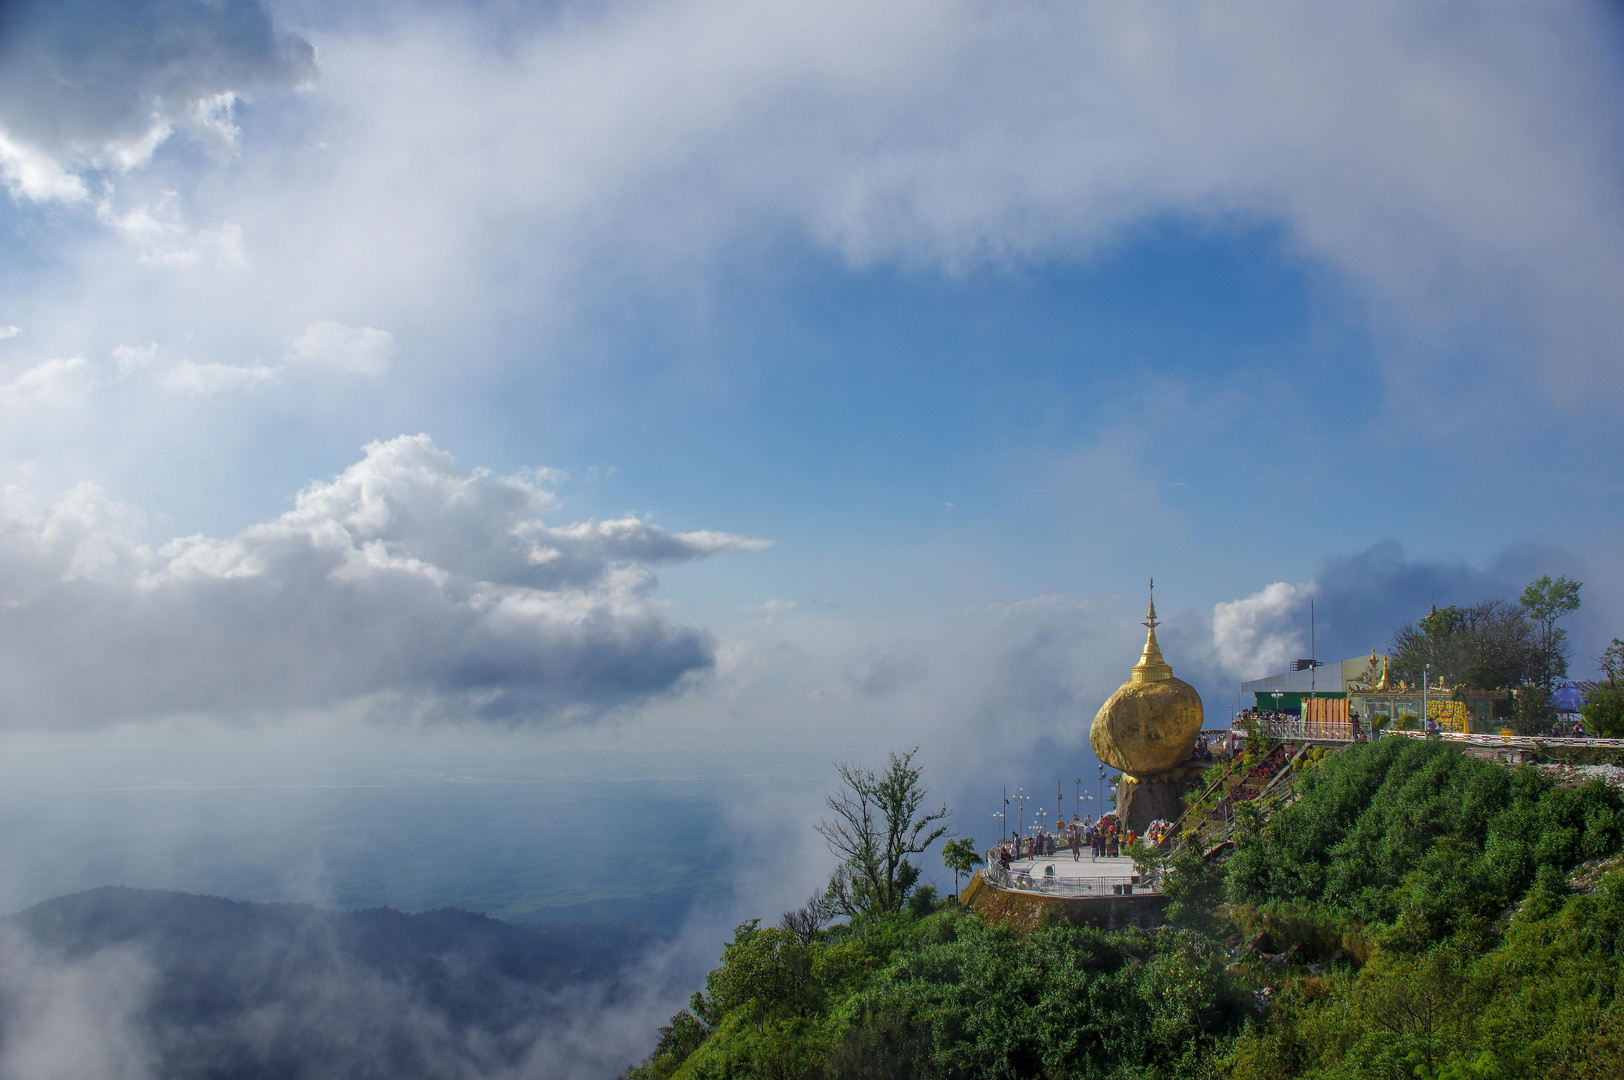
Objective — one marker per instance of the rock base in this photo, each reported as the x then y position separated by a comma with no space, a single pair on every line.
1141,800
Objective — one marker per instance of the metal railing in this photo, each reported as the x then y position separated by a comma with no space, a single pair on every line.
1520,741
1336,731
1025,881
1322,730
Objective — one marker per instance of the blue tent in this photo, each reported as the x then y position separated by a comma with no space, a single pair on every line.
1568,698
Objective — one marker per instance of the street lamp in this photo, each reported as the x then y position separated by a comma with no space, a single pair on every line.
1426,718
1022,797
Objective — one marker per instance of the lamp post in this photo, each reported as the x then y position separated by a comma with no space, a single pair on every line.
1079,796
1022,797
1102,787
1426,718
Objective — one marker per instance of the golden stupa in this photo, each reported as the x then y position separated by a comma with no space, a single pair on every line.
1150,724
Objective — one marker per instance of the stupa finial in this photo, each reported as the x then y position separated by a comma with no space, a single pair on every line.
1151,667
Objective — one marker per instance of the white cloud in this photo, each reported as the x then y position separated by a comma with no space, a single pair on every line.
31,174
1459,172
9,332
1452,169
358,350
87,86
162,238
1261,634
404,576
327,346
75,1016
64,380
207,379
133,358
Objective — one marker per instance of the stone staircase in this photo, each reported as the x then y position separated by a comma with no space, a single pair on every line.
1209,818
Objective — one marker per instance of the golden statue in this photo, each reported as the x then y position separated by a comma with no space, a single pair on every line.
1150,724
1374,677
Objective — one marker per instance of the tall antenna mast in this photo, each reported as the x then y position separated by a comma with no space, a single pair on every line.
1313,654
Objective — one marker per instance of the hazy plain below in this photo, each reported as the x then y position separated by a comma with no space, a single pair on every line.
521,828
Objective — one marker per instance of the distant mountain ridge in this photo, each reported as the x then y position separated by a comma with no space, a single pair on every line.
231,989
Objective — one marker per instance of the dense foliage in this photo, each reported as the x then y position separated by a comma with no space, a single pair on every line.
1409,916
1545,1000
1429,892
1420,838
1604,709
947,995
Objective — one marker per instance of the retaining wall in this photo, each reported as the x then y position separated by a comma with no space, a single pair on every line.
1025,911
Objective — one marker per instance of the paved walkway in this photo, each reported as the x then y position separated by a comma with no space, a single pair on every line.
1086,868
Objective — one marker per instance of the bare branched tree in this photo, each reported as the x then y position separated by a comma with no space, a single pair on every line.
878,822
805,921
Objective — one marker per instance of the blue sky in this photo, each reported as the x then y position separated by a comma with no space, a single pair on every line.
828,377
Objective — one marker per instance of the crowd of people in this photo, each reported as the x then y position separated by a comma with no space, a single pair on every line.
1106,838
1202,751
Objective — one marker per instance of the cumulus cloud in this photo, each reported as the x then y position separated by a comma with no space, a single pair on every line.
87,84
1260,634
1452,164
434,181
324,346
404,576
213,378
56,381
164,239
1365,596
361,350
1361,598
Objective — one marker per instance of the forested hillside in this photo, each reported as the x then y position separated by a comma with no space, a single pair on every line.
183,986
1417,913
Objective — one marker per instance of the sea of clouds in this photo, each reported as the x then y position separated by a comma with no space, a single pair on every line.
255,205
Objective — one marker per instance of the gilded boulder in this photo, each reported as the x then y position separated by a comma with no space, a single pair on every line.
1147,727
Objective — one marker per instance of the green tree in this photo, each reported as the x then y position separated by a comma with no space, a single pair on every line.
1604,712
961,857
1604,708
879,820
1611,662
1547,600
678,1040
1487,646
1532,712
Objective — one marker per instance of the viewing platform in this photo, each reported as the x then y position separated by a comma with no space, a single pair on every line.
1104,893
1106,876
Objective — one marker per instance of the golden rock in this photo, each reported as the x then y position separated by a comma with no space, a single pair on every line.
1150,724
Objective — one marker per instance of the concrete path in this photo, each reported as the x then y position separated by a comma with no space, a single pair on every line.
1086,868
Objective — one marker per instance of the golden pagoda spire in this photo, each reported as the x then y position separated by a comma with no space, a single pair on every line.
1151,667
